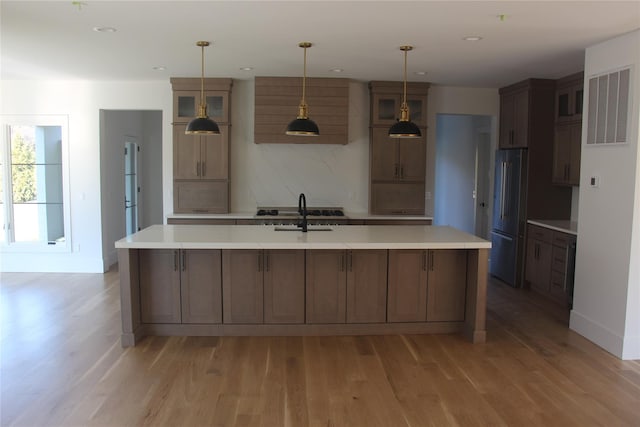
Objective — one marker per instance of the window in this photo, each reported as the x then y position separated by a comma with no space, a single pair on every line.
34,183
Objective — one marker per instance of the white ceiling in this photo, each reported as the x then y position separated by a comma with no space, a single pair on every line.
544,39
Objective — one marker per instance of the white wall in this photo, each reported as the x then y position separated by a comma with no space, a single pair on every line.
82,101
606,305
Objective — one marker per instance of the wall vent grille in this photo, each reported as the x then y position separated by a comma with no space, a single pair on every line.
608,108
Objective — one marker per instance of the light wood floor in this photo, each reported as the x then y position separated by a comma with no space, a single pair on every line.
62,365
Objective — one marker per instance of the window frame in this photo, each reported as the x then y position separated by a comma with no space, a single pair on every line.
8,244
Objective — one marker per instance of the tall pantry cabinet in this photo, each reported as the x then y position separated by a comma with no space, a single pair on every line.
201,163
397,166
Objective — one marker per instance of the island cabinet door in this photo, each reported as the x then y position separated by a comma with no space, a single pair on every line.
447,283
242,286
407,294
159,285
366,286
201,286
326,282
283,286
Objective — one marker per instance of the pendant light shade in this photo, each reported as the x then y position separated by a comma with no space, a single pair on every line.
303,125
202,124
404,127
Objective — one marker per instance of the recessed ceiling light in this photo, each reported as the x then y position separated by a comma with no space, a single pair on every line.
336,70
421,73
159,68
246,68
472,38
104,29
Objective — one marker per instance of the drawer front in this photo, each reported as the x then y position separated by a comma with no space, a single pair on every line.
563,239
558,285
540,233
559,259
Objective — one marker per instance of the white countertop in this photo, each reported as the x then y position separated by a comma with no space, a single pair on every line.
565,226
265,237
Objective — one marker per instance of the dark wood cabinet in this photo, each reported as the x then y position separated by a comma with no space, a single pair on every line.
563,248
527,121
326,285
263,286
284,286
538,258
446,278
567,147
242,286
201,286
567,143
549,269
397,166
180,286
346,286
201,163
367,286
569,98
407,299
514,118
427,285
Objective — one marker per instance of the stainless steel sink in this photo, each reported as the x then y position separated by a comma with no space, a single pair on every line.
296,228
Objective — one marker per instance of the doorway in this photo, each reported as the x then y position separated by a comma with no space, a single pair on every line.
462,172
131,188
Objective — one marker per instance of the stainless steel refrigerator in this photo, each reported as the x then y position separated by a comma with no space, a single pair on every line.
509,217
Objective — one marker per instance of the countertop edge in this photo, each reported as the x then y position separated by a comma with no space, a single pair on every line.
550,225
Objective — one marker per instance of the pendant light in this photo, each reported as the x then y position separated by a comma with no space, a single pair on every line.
404,127
202,124
303,125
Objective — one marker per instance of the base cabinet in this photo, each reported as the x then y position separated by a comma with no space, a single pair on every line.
180,286
549,268
247,286
263,286
407,286
427,285
346,286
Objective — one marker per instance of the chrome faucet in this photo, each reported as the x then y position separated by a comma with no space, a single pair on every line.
302,210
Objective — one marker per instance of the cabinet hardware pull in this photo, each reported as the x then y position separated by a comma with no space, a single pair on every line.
184,260
342,262
512,136
396,174
350,261
503,189
431,260
175,260
402,172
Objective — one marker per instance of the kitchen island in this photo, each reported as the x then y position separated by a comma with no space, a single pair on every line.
265,280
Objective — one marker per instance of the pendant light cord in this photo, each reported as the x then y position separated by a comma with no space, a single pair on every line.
304,77
202,100
404,87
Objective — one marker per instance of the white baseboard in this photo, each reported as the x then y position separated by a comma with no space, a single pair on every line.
597,333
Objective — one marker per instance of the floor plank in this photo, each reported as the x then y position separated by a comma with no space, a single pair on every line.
62,365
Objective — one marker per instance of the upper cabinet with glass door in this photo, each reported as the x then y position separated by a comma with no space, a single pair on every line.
387,99
569,97
186,98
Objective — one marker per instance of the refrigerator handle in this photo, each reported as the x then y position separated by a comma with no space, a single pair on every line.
503,189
